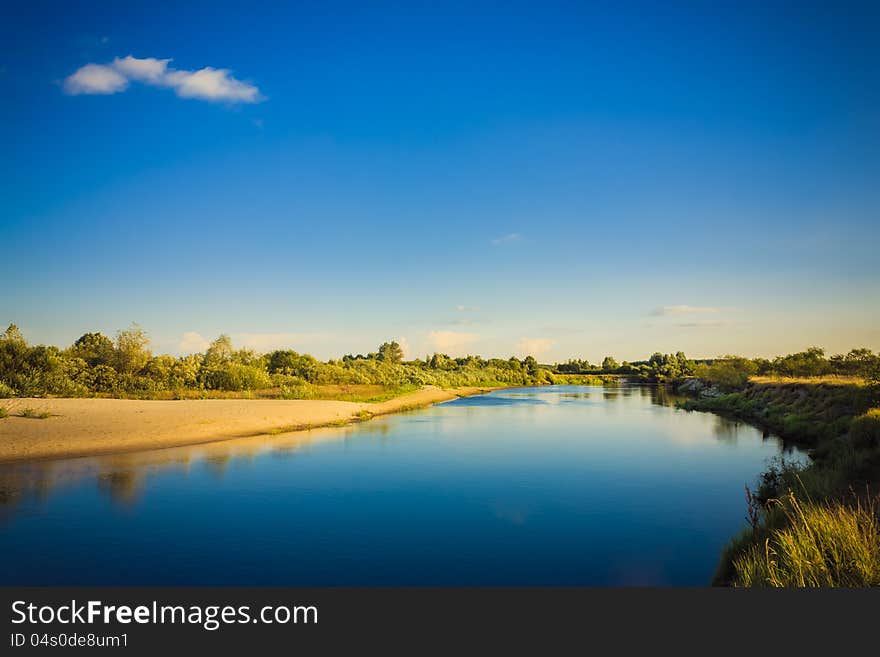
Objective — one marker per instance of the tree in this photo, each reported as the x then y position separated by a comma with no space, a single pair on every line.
609,363
390,352
13,353
13,334
94,348
220,351
131,350
728,372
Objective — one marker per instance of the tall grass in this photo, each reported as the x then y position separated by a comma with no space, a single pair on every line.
821,545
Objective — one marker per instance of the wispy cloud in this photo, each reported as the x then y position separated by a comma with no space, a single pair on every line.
536,347
193,342
208,83
467,309
678,311
451,342
262,342
704,323
510,238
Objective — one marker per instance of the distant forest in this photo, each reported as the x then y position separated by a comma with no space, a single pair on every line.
96,365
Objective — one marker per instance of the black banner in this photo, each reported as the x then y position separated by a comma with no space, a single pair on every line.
329,620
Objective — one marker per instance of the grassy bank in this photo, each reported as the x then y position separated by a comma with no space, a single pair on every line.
814,525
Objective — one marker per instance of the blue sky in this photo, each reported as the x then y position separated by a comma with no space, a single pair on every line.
563,179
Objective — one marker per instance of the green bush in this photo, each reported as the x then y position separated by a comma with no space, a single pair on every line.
729,373
865,430
234,376
103,379
6,391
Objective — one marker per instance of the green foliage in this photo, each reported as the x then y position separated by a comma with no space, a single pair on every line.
728,372
219,352
3,412
811,362
94,349
131,350
666,367
865,430
234,376
390,352
574,366
806,412
95,365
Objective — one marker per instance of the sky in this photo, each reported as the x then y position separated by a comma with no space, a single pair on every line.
556,179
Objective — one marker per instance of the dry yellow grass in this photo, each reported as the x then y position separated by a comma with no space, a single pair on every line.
823,545
830,379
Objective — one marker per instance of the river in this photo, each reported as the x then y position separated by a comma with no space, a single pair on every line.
557,485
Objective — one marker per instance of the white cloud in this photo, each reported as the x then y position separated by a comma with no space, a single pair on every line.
450,342
149,69
212,84
208,83
193,342
507,239
95,79
263,342
536,347
405,347
677,311
467,309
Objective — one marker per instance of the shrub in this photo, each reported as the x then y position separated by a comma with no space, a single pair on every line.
729,373
234,376
35,414
6,391
103,379
301,391
865,430
3,412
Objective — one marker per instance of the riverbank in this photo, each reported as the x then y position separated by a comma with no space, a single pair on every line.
815,525
38,428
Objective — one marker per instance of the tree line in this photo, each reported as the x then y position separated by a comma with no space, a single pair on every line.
734,370
95,364
124,366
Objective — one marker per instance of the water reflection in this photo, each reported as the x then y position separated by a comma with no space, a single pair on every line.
557,485
124,477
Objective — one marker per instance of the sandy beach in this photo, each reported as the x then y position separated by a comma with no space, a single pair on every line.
88,427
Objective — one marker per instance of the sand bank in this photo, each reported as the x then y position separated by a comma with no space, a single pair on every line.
87,427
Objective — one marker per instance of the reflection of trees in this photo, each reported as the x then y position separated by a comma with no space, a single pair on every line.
122,486
17,483
575,395
726,430
661,395
217,464
123,477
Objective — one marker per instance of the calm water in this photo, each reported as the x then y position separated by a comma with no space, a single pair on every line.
556,485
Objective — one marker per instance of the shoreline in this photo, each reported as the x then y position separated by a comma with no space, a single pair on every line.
83,427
